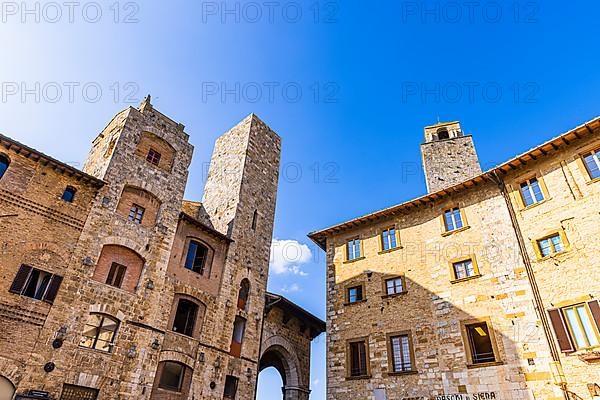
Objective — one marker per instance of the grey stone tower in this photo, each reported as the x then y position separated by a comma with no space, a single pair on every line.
449,156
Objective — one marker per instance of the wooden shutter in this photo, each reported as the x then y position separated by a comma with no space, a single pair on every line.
20,279
53,289
595,309
560,330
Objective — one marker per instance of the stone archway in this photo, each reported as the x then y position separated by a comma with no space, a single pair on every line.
280,358
7,389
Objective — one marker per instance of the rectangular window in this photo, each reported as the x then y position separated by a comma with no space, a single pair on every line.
196,257
592,163
73,392
69,194
394,286
185,317
582,328
355,294
153,157
464,269
171,377
35,283
453,219
480,343
388,239
358,358
353,249
136,213
231,385
401,358
116,275
531,192
239,330
551,245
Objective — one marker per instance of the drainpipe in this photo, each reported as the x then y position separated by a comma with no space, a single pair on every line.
537,298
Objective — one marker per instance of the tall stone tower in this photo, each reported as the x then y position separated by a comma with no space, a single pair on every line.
239,200
449,156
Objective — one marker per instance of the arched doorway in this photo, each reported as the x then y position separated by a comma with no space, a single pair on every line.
283,361
270,383
7,389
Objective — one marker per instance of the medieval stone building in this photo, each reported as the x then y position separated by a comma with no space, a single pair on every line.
115,287
485,288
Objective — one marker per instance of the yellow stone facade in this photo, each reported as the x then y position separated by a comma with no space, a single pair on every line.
511,293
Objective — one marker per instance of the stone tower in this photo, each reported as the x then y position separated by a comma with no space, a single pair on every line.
449,156
239,201
143,157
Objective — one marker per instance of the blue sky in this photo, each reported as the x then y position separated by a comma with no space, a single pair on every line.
348,85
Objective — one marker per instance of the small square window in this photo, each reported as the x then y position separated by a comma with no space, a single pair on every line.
69,194
388,239
480,343
464,269
353,249
531,192
153,157
136,213
453,219
358,358
355,294
592,163
551,245
394,286
116,275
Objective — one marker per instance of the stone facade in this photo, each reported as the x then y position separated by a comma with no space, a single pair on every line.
128,291
510,293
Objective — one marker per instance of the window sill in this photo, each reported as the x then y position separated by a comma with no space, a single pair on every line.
358,378
555,255
356,302
592,181
466,279
390,250
391,296
98,351
529,207
354,260
484,365
411,372
448,233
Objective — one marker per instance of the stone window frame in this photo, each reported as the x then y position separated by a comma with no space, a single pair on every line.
150,135
390,353
389,277
349,342
518,195
548,234
361,247
115,334
397,235
582,164
463,215
72,191
187,373
200,315
6,160
208,263
349,286
467,346
453,261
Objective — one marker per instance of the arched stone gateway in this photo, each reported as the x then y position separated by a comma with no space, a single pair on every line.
7,389
287,334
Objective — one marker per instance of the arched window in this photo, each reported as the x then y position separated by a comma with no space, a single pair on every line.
196,257
172,376
443,134
99,332
69,194
120,267
243,295
4,162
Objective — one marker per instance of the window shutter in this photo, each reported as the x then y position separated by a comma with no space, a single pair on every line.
20,279
53,289
595,309
560,330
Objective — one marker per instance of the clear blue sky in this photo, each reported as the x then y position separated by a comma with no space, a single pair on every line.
370,75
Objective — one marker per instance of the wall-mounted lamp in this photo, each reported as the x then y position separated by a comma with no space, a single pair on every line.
201,357
155,344
132,351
